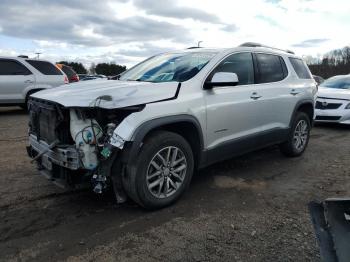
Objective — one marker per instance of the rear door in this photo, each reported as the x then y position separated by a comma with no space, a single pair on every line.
275,98
15,78
49,75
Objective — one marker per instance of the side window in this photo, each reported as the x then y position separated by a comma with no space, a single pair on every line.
300,68
11,67
271,68
241,64
44,67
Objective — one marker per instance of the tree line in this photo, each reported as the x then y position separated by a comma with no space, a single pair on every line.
108,69
336,62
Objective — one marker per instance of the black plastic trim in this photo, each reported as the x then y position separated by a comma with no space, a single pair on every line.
298,105
146,127
243,145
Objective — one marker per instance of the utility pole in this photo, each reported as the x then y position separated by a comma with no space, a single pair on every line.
37,55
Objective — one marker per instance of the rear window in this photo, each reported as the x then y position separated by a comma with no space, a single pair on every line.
68,71
300,68
44,67
271,68
11,67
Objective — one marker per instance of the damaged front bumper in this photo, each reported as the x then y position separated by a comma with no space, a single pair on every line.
64,156
61,164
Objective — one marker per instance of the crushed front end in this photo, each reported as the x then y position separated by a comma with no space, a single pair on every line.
72,146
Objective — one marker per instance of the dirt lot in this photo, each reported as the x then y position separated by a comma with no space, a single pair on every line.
248,209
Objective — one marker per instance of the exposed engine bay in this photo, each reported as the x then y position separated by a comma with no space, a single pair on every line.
77,146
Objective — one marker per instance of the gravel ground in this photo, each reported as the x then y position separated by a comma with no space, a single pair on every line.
252,208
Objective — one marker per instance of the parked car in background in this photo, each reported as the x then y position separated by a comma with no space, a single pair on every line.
81,76
71,74
333,100
318,79
90,77
93,77
21,77
146,133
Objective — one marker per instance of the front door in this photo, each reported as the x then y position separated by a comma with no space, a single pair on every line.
233,112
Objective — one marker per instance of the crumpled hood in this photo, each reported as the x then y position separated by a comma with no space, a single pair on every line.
122,93
334,93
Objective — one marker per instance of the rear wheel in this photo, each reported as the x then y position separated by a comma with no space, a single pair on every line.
299,135
162,172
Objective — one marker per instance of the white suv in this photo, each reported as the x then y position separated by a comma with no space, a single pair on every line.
146,133
20,77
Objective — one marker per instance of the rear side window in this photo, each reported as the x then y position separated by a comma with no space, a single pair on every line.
300,68
11,67
271,68
44,67
68,71
241,64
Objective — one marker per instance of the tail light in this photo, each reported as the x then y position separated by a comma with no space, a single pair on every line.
74,78
66,80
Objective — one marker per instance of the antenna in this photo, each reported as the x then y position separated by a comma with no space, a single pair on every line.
199,43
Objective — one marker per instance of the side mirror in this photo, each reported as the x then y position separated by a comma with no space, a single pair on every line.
222,79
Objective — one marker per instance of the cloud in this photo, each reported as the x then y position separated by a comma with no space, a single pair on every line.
268,20
311,42
144,50
169,8
82,23
230,28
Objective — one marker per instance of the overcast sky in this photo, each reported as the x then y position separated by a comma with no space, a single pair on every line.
127,31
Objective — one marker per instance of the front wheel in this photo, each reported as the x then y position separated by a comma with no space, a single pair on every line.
162,172
299,135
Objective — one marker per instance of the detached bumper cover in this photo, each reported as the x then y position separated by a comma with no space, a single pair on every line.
331,220
67,156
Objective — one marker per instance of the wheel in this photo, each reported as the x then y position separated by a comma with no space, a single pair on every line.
25,105
298,137
162,172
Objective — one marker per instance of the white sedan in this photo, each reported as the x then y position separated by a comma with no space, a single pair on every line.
333,100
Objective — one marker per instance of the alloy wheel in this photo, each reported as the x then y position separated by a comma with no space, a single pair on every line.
166,172
301,134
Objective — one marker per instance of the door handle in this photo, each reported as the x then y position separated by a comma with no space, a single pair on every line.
255,96
29,81
294,92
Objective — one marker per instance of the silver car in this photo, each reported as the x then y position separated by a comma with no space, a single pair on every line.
333,100
20,77
145,133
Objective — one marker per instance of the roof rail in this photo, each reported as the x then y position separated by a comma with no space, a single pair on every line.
252,44
194,47
23,56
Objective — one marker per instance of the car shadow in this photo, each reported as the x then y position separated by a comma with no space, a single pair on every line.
13,110
333,126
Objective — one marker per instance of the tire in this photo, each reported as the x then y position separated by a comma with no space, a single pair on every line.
298,137
153,182
25,105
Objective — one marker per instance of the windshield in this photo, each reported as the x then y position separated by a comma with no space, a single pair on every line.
337,82
177,67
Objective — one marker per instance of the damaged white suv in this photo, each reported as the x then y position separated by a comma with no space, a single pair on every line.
144,134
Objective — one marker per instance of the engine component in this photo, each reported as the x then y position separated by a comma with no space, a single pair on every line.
85,133
99,183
